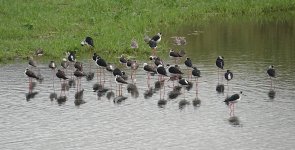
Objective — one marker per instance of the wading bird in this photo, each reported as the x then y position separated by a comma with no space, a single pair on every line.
230,101
271,73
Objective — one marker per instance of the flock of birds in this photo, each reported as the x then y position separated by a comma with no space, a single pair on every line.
71,72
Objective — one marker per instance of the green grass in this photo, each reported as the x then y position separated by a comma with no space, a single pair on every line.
59,25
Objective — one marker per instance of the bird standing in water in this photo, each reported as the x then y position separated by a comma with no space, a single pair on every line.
52,66
228,76
220,64
61,75
31,75
271,73
230,101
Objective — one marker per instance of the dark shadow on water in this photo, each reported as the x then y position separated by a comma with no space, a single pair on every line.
96,87
119,99
40,78
196,102
79,94
159,85
271,94
132,89
53,96
162,103
182,103
79,98
89,76
110,95
234,121
175,92
61,100
31,95
190,86
220,88
148,93
71,83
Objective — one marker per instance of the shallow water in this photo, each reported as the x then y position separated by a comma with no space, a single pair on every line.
138,123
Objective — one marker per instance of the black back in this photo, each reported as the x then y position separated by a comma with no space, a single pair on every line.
31,74
271,72
78,73
174,70
78,65
162,71
123,60
101,62
152,44
72,57
89,41
119,79
183,82
149,68
232,98
94,56
155,38
188,62
60,74
196,72
219,63
117,71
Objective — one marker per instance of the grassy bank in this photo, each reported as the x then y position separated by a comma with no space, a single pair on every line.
59,25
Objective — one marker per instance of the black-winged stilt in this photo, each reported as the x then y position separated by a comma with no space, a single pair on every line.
228,76
220,64
271,73
173,54
188,63
78,65
61,75
52,66
120,81
149,69
101,63
79,74
153,45
88,41
157,38
32,62
31,75
232,100
184,83
122,59
161,70
64,63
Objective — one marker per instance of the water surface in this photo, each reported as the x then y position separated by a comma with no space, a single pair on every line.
138,123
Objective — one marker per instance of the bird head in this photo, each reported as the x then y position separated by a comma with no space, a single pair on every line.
271,67
187,58
159,34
